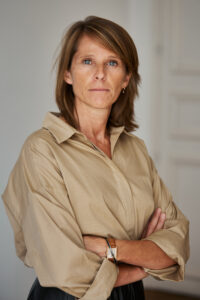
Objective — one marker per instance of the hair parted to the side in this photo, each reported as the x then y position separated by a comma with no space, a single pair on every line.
114,38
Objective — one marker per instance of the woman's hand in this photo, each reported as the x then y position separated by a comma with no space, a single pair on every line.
155,223
95,244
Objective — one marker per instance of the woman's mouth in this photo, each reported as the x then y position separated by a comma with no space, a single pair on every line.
99,90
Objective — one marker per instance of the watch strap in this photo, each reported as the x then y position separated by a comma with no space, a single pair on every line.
112,250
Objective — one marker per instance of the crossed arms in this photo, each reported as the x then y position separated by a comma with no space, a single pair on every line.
135,255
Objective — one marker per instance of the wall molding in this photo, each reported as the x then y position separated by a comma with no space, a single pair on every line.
177,102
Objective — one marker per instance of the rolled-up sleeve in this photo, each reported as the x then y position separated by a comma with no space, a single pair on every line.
47,235
174,238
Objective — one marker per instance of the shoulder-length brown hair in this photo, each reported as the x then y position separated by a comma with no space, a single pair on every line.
114,38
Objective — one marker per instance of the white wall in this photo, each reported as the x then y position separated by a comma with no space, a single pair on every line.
141,24
30,34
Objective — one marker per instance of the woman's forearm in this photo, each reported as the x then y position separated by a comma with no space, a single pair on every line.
128,274
143,253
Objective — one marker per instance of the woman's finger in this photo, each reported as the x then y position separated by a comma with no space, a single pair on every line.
161,222
153,222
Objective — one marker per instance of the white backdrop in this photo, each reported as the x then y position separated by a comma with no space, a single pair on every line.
30,32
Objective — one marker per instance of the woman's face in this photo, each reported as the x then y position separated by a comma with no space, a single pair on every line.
96,74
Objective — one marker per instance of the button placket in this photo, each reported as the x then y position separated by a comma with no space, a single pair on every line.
117,172
120,181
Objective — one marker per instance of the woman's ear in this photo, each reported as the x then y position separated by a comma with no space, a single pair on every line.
68,77
126,80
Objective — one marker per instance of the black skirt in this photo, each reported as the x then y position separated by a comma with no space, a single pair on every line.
132,291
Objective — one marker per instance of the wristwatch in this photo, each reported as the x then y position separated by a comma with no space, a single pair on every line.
112,245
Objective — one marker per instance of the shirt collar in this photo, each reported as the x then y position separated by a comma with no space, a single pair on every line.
62,131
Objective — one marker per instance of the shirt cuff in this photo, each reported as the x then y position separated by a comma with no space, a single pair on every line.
172,273
103,283
175,272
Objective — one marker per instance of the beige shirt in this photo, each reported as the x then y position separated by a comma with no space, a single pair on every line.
62,186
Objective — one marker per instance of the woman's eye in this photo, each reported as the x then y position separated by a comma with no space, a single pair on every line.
87,61
113,63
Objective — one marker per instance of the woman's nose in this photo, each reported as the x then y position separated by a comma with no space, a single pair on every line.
100,72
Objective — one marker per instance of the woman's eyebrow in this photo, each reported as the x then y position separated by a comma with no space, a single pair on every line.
92,55
111,56
85,55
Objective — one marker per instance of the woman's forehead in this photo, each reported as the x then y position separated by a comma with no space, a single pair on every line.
91,46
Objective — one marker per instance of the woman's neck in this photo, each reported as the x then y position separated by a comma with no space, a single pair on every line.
93,122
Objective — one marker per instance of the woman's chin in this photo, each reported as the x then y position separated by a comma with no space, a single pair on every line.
97,102
101,103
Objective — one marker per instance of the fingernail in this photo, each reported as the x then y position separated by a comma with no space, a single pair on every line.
163,215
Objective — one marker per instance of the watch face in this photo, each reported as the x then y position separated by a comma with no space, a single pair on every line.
109,254
115,252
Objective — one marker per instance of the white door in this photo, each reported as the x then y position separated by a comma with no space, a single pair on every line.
178,125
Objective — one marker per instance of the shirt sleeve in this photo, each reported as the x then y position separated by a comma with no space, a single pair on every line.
174,238
47,234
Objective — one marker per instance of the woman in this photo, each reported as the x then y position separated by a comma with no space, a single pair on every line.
89,212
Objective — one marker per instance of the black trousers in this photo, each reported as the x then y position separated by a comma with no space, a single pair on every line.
132,291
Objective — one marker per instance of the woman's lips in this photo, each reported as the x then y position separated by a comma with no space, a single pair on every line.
99,90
